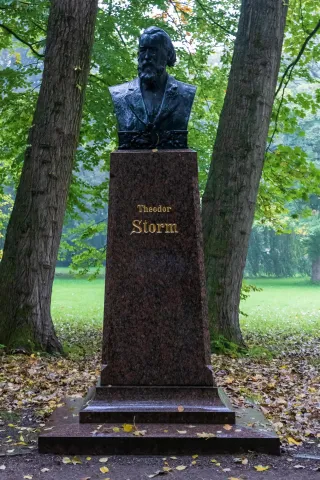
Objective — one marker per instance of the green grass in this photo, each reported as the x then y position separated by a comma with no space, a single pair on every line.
285,305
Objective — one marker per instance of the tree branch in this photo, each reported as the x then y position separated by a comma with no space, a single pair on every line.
294,63
213,20
286,77
15,35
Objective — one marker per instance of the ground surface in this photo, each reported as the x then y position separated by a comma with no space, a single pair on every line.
280,374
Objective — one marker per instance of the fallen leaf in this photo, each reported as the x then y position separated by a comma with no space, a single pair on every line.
2,467
195,456
298,467
127,427
116,429
104,469
193,462
180,408
260,468
205,435
182,431
226,469
166,469
44,470
292,441
245,461
88,459
140,433
173,458
76,461
103,460
66,460
28,477
181,467
227,427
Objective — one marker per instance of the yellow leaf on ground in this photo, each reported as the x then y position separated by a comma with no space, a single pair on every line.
28,477
234,478
88,458
260,468
116,429
103,460
166,469
195,456
127,427
194,462
227,427
104,469
140,433
292,441
205,435
66,460
173,458
76,460
180,408
181,467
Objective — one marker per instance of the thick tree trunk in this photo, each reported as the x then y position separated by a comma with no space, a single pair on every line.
231,191
315,275
34,230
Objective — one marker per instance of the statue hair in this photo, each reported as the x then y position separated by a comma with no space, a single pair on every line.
168,43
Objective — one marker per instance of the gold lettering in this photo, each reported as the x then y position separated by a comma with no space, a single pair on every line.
136,224
160,227
152,228
145,225
139,207
145,209
150,209
171,228
154,209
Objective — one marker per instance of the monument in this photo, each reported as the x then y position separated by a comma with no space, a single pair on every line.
156,371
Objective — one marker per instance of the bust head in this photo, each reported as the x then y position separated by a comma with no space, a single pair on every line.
156,51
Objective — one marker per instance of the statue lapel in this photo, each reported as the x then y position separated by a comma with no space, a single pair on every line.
169,103
135,102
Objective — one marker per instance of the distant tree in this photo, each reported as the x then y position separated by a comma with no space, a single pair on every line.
34,230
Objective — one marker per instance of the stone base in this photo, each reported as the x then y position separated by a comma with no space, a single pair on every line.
70,437
157,405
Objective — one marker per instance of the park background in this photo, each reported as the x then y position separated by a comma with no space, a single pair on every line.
280,307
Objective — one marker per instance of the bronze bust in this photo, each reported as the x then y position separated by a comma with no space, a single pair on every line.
153,110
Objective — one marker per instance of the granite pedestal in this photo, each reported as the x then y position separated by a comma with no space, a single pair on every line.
156,349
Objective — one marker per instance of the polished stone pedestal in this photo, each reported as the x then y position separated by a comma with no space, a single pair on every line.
156,371
66,435
157,405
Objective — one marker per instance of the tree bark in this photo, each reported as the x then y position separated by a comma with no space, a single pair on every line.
315,275
35,226
238,155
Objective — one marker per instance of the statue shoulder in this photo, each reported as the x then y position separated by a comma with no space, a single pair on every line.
118,91
186,89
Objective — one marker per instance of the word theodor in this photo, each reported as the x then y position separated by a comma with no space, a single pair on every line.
144,226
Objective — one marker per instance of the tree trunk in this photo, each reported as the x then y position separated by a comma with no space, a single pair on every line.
315,275
35,226
231,191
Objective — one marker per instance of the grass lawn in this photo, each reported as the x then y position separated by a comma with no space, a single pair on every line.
290,305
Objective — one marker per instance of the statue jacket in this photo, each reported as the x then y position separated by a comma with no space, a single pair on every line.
168,130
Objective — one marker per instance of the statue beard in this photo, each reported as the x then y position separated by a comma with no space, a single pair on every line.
150,73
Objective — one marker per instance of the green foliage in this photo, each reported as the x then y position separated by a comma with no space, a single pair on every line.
203,32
